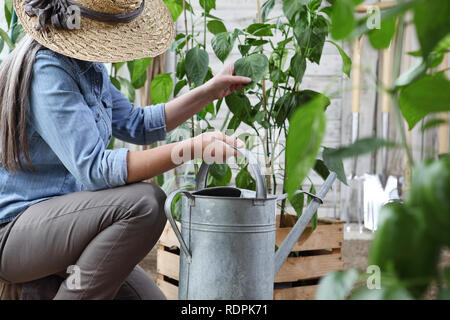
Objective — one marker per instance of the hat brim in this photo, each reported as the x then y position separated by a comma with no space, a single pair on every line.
148,35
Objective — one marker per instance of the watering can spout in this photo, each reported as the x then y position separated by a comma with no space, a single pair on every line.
293,236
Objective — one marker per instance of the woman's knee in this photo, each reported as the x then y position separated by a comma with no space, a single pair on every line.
148,204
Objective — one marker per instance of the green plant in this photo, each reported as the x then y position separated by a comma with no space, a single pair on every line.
282,63
14,32
411,233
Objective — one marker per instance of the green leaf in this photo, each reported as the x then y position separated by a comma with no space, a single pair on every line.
255,42
2,44
222,44
319,32
429,190
197,61
360,147
346,61
431,19
216,26
254,66
342,19
234,123
306,131
161,88
433,123
240,106
180,85
175,8
321,169
334,164
302,32
127,89
412,74
337,285
181,69
291,7
111,144
260,29
9,12
6,38
115,82
266,8
208,5
18,33
427,95
219,175
245,180
381,38
298,201
244,49
288,103
138,71
313,5
402,248
118,65
298,67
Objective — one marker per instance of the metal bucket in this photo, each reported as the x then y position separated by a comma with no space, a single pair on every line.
228,239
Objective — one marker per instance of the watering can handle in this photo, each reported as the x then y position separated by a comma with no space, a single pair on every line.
261,188
168,211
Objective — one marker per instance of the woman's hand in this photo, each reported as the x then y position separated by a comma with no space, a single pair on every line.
185,106
225,83
215,146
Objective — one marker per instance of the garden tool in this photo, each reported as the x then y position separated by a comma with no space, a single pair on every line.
353,190
379,189
227,237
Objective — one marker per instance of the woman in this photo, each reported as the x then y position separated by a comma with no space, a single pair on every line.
76,209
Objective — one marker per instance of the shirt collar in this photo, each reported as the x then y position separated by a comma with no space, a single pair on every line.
86,65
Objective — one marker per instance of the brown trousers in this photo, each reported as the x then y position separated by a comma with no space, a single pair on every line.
92,239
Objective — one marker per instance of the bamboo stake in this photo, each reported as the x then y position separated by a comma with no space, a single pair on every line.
443,131
408,133
264,104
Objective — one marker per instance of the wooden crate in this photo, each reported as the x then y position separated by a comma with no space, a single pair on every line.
314,255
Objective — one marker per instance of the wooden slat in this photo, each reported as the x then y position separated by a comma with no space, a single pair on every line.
297,293
169,290
327,236
167,264
309,267
168,237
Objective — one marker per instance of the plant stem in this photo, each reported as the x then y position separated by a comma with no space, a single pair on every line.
189,82
398,52
283,202
204,26
264,105
225,121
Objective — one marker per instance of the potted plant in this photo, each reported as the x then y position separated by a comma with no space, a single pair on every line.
283,111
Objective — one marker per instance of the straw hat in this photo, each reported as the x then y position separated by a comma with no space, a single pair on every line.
107,30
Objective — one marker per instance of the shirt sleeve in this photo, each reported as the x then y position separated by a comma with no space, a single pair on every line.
62,117
141,126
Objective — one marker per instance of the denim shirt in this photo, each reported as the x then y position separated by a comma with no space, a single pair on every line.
73,111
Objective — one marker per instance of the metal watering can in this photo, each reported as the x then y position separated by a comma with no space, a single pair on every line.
228,238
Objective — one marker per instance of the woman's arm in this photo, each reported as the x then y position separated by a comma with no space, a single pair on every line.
185,106
211,146
142,165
